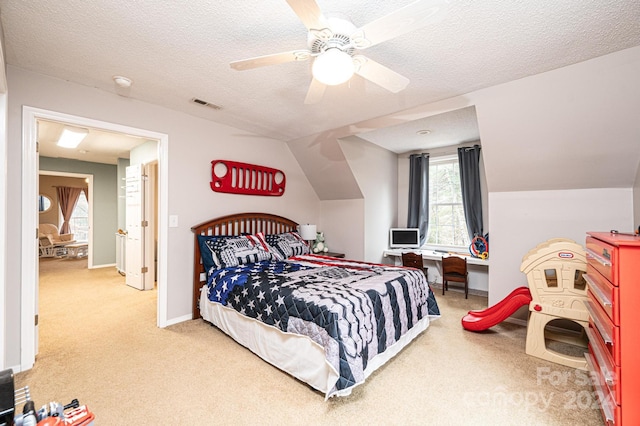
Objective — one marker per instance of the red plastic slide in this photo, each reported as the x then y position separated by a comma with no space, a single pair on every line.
486,318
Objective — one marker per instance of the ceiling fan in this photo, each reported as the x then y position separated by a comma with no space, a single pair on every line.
334,44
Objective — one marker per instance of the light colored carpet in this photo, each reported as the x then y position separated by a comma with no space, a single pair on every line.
99,343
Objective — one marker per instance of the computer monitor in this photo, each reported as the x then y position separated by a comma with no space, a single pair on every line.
404,238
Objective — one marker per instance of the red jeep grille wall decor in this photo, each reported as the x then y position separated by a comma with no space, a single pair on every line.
234,177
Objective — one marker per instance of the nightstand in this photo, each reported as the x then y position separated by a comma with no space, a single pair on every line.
333,254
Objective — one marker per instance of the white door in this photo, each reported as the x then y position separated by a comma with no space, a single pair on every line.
134,250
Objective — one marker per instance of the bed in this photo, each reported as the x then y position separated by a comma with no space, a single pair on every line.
328,322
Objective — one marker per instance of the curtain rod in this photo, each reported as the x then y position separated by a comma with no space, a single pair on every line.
442,154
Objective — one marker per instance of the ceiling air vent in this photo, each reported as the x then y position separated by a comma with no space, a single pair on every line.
205,103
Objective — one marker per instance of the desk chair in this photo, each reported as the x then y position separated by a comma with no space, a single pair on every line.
455,269
414,260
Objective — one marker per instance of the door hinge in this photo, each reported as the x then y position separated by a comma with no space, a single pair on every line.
144,269
37,146
36,320
144,223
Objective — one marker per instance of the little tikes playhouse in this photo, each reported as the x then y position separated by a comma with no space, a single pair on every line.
558,289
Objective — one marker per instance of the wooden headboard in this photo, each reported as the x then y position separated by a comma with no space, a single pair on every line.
235,224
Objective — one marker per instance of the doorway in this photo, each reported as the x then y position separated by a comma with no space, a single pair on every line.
29,224
48,181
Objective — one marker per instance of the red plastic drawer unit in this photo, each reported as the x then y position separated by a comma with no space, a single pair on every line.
602,256
613,283
608,408
608,370
605,293
609,333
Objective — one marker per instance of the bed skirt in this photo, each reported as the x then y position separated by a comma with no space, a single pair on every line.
294,354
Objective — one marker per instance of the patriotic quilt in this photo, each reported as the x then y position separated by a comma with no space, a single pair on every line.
354,310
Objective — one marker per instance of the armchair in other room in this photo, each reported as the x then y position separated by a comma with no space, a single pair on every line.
51,242
455,269
50,232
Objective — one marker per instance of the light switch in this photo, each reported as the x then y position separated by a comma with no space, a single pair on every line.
173,221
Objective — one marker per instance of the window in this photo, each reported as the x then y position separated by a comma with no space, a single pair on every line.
79,222
447,225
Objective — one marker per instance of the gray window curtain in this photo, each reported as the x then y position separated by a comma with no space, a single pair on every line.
469,160
67,198
418,213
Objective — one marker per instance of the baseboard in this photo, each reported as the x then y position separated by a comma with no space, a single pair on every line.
178,320
473,291
517,321
109,265
16,369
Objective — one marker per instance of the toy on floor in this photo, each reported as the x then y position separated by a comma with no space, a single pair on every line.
72,414
557,290
486,318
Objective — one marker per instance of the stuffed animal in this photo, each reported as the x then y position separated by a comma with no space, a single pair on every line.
319,245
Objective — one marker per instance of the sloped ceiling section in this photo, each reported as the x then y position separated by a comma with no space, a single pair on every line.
572,128
326,167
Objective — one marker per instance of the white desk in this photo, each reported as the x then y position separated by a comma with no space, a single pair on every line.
433,255
478,268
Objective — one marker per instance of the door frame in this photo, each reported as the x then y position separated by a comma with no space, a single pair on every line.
29,252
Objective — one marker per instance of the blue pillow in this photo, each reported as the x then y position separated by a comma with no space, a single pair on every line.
205,252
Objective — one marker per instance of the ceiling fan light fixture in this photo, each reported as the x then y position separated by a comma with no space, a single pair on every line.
333,67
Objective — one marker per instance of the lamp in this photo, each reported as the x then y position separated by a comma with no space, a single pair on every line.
307,232
333,67
71,138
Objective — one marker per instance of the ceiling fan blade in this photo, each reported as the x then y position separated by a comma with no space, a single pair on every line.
409,18
381,75
309,13
274,59
315,92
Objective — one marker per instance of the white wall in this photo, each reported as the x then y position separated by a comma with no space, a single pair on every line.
521,220
343,223
3,222
376,170
193,144
3,197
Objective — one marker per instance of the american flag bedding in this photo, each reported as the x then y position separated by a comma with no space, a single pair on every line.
354,310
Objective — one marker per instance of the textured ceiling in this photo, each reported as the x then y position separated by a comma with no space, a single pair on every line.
175,51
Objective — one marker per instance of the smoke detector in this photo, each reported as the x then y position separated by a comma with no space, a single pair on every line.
123,82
